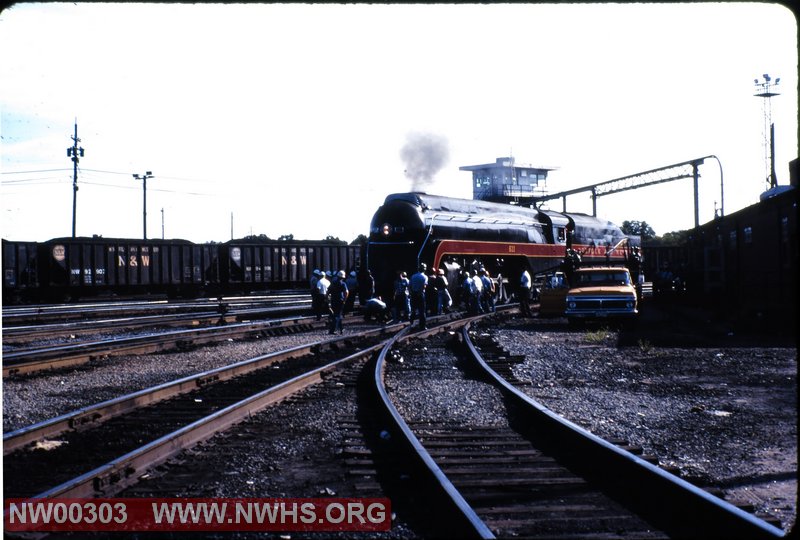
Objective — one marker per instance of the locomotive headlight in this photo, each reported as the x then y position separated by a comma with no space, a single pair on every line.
386,229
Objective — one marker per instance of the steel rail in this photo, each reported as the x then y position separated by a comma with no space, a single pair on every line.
100,412
16,316
124,471
683,510
30,361
82,327
17,333
465,521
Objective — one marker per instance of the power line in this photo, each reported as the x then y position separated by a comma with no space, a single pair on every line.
31,172
107,172
31,181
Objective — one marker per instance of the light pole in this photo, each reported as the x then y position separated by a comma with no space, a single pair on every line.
766,90
144,178
75,153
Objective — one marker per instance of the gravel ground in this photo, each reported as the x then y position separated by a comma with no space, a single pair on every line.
428,385
724,416
27,400
291,449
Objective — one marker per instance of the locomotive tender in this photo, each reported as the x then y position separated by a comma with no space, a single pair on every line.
462,234
71,268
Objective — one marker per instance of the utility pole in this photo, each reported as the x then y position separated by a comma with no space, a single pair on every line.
162,223
75,153
144,178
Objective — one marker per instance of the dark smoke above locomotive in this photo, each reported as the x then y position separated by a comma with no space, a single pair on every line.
455,234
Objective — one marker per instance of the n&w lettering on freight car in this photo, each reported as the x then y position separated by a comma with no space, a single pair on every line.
70,268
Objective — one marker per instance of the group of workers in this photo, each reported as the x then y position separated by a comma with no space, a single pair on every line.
428,294
333,294
424,293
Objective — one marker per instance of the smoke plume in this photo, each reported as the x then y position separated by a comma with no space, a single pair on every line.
424,154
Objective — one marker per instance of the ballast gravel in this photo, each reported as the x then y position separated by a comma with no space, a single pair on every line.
427,383
31,399
724,417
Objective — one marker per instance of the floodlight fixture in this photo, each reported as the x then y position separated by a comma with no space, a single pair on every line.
143,178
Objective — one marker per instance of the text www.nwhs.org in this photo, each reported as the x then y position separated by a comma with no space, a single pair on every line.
150,514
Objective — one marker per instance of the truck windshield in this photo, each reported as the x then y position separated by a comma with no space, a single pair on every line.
603,278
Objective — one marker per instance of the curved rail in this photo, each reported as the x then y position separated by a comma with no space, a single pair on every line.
465,521
683,510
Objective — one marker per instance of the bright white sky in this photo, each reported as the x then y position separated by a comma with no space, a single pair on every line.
292,117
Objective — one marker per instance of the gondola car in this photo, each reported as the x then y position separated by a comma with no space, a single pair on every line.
456,234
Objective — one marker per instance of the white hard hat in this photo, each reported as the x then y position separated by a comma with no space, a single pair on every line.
341,273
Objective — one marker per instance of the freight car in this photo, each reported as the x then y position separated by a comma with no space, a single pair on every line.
742,266
746,263
456,234
247,265
71,268
20,275
64,269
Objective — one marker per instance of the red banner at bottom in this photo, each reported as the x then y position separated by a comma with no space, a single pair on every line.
217,514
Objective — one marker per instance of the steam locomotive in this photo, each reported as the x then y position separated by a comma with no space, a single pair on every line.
461,234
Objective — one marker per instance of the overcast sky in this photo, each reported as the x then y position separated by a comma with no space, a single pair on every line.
292,118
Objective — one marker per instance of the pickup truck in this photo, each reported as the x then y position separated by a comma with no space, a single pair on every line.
605,292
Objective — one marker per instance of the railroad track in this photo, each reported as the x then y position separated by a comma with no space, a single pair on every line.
427,469
33,360
560,480
99,450
16,316
128,445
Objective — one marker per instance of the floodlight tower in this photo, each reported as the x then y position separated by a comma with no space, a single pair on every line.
766,89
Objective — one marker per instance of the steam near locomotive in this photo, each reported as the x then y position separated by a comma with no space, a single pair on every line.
409,228
462,234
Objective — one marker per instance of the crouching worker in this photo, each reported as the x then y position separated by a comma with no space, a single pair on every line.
375,308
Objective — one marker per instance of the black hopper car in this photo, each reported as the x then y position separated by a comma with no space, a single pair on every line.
742,266
461,234
64,269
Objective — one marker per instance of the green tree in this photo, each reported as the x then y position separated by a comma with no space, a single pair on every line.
674,238
261,237
361,240
638,228
334,240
